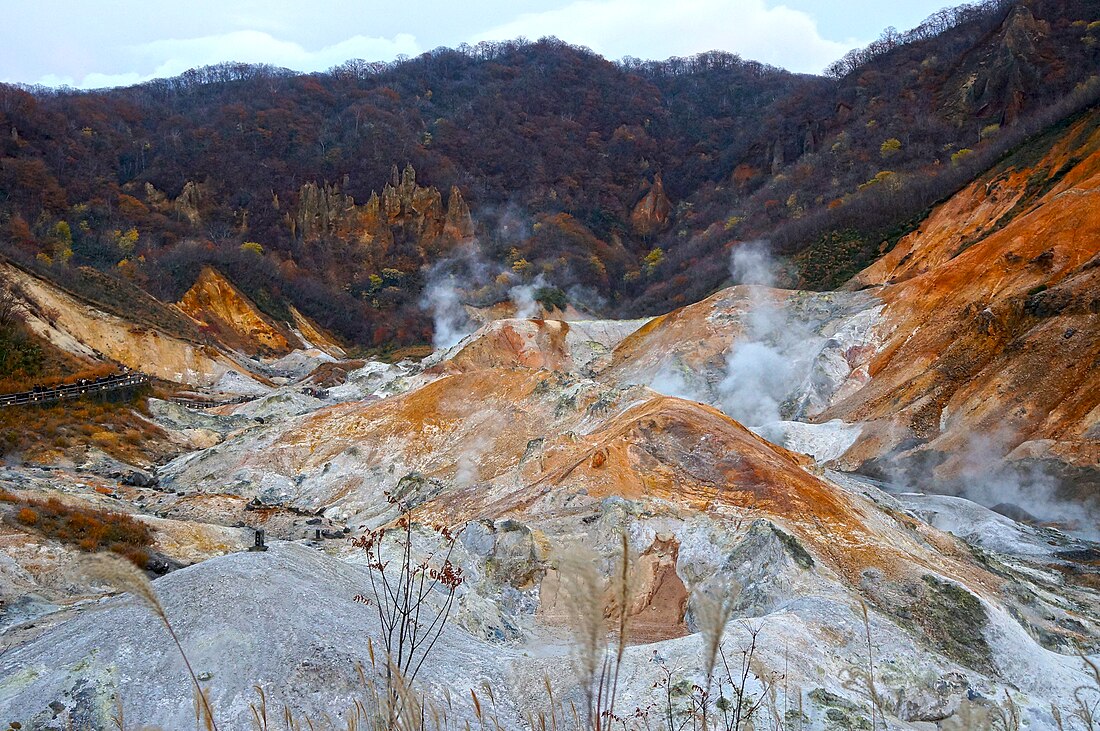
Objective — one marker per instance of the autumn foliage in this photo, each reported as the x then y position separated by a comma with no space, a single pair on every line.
86,528
42,432
278,179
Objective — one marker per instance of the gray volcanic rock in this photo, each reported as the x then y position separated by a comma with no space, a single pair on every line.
178,417
285,620
539,455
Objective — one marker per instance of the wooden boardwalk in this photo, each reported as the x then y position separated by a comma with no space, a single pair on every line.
199,404
69,391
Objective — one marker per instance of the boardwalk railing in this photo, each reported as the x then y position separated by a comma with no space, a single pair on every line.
77,390
199,404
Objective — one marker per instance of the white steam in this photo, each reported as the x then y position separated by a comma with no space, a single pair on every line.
586,299
448,283
768,368
469,461
986,477
752,263
674,379
450,323
771,361
523,298
477,444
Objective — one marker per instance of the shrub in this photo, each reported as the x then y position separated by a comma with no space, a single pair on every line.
20,356
551,298
117,428
653,260
890,147
880,177
27,516
957,157
411,623
89,529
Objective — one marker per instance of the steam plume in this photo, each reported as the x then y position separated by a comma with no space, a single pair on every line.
523,297
449,320
447,283
988,478
769,363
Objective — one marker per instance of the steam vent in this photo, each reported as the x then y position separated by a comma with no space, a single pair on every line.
511,386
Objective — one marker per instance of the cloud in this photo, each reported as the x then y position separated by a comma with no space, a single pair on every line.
660,29
171,57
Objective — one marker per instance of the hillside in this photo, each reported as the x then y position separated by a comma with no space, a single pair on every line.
505,436
222,309
974,339
621,184
629,395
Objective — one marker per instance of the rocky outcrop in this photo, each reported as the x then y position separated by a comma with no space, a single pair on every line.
659,598
188,204
315,335
999,356
408,214
403,212
458,223
405,219
527,343
995,79
233,319
651,213
322,210
92,334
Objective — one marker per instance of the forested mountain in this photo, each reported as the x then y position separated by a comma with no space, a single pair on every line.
345,313
624,183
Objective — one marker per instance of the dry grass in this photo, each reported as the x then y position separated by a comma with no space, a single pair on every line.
58,376
85,528
388,701
117,428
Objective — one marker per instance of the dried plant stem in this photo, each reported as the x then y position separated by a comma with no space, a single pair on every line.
209,714
122,574
870,666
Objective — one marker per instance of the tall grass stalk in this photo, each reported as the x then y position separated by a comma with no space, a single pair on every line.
122,574
870,668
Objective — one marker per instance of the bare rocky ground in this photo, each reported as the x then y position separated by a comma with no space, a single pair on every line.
804,456
539,437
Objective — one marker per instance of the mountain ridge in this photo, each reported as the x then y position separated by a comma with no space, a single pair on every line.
194,167
878,496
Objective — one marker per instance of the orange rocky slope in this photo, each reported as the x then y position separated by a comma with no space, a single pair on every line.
233,318
994,316
982,322
554,344
233,325
542,459
535,446
82,329
511,436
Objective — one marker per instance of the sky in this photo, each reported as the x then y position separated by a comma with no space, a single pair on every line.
89,44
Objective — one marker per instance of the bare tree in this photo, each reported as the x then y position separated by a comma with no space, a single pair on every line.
401,591
12,308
